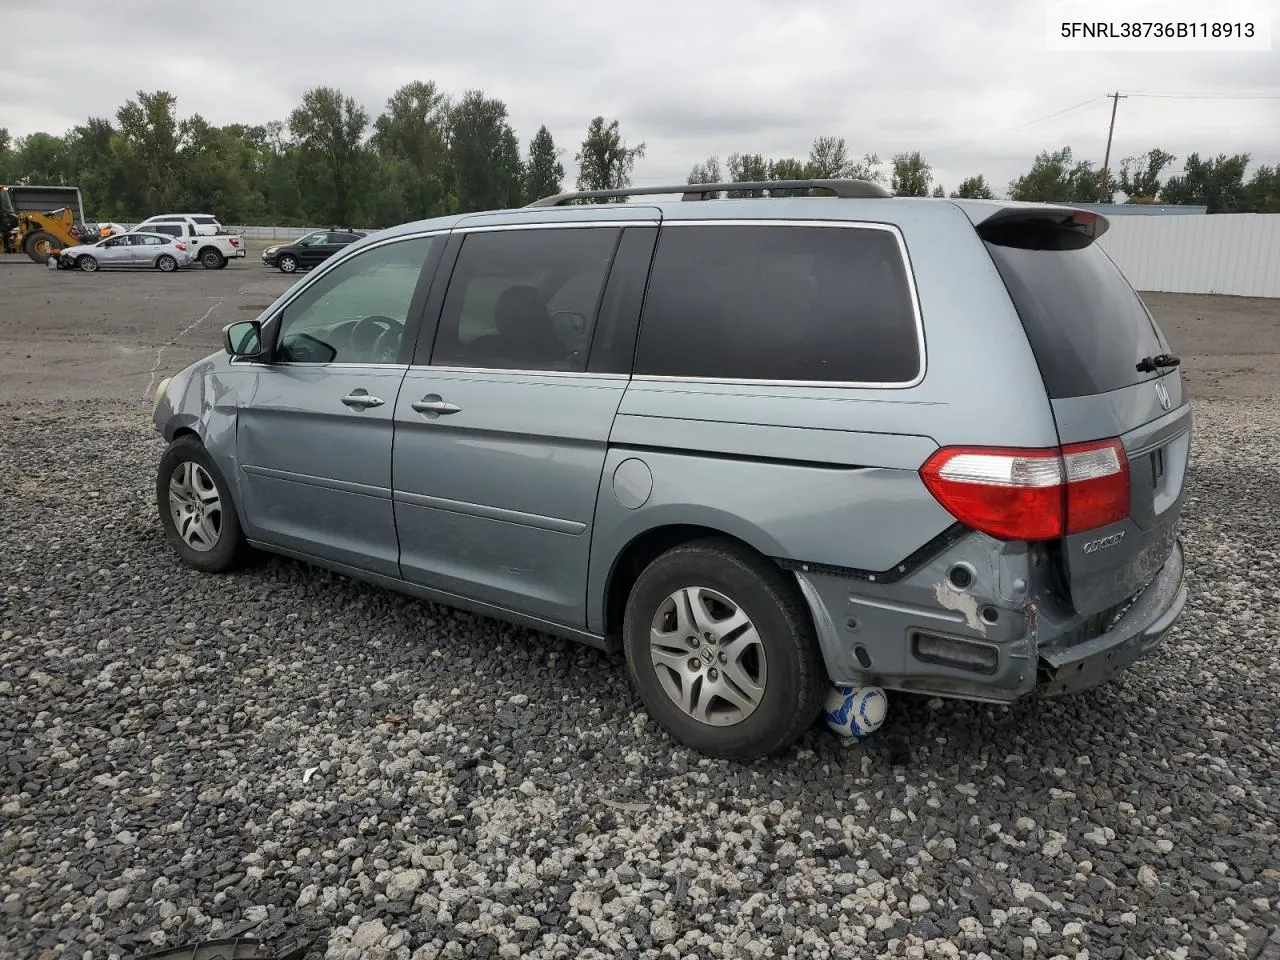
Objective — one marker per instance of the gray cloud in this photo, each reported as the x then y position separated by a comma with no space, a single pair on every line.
688,79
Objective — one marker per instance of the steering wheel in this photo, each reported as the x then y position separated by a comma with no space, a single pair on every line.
376,337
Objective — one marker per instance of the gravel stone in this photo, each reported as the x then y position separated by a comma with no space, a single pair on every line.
480,790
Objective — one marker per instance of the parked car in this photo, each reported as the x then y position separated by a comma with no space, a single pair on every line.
202,224
310,251
762,445
212,250
135,250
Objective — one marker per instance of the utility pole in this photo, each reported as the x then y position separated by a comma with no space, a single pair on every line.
1106,160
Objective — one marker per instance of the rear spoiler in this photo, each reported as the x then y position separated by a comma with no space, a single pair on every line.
986,215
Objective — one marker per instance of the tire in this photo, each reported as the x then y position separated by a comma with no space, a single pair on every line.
783,664
87,263
212,259
288,263
213,540
223,264
166,263
39,246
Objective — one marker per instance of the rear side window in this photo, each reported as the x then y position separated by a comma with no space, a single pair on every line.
205,221
791,303
170,229
1087,327
525,299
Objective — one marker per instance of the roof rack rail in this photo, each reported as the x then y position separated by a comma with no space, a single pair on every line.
846,189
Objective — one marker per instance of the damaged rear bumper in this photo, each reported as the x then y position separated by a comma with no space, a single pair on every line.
1137,632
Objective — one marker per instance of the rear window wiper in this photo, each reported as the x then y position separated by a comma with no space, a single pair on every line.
1158,362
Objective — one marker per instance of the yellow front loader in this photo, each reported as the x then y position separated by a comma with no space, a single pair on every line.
40,221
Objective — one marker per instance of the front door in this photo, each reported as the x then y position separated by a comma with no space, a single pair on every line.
501,437
314,432
115,253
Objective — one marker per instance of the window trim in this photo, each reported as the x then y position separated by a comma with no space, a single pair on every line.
619,225
320,272
890,228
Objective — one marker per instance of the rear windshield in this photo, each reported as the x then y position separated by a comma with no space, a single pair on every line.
1086,325
207,221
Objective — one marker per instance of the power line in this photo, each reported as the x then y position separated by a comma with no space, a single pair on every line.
1208,96
1022,126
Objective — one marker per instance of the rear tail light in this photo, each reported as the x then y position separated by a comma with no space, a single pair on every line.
1016,494
235,241
179,244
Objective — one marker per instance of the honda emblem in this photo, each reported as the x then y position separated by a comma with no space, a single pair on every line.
1162,392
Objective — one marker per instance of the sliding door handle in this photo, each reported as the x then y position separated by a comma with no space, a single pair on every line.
433,403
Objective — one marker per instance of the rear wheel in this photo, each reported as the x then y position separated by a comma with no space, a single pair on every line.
196,510
87,263
722,652
212,259
288,263
40,246
166,263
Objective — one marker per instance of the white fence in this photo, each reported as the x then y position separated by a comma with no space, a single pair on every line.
1224,253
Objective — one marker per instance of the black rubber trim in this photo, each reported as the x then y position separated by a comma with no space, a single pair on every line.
898,571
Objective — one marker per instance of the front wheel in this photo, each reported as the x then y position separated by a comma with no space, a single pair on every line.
87,263
40,246
196,510
211,259
166,263
722,652
288,264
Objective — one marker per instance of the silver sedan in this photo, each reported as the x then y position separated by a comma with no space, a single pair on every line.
136,250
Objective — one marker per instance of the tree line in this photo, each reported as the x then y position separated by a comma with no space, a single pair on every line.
429,153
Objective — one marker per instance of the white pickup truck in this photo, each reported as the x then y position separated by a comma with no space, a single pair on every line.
211,245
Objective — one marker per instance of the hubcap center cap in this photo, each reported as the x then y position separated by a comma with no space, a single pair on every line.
707,654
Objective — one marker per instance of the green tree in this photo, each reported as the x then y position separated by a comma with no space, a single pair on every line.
706,172
789,168
485,154
41,159
7,157
938,191
1263,190
1140,175
1217,183
148,151
1057,178
411,141
829,159
911,175
974,188
745,168
605,162
543,173
329,129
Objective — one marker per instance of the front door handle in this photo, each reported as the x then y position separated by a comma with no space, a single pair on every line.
434,403
362,400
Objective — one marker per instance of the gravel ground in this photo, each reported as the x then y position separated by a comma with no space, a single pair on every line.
287,754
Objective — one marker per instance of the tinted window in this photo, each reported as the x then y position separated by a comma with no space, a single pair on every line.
1087,327
169,229
358,311
779,303
205,221
524,299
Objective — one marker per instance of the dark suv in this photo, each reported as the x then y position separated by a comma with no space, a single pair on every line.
309,251
762,445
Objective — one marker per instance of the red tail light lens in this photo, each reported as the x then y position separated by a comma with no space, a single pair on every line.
235,241
179,244
1043,494
1097,484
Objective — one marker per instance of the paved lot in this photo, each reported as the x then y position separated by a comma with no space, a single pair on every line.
284,751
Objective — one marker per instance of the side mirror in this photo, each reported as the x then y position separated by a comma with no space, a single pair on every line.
243,339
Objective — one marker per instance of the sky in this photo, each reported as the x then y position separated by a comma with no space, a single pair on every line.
970,84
